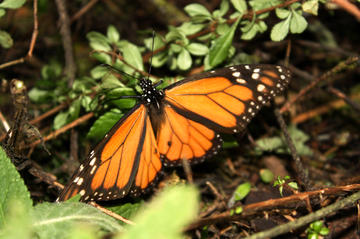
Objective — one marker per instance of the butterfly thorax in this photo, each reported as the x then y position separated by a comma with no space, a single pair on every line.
151,96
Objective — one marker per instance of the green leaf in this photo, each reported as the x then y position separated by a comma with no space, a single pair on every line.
12,4
158,42
98,41
113,34
197,49
224,7
132,56
266,175
280,30
60,120
127,210
184,60
51,71
158,220
5,39
239,5
282,13
324,231
269,143
87,103
110,81
39,96
159,59
2,12
298,23
293,185
242,191
220,49
54,220
102,57
259,26
99,72
189,28
83,231
311,6
196,9
174,34
12,188
74,109
103,124
222,29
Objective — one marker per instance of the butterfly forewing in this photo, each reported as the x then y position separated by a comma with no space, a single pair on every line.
112,170
226,100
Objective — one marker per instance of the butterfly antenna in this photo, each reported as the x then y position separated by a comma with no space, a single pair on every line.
152,52
120,71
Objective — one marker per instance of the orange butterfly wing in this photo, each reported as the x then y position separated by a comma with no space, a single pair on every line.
125,161
181,138
225,100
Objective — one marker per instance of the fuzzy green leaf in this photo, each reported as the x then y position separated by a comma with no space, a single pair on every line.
12,188
2,12
54,220
158,220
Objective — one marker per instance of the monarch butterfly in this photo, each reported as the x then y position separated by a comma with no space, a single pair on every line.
180,122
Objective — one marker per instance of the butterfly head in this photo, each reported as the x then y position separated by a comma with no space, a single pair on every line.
150,95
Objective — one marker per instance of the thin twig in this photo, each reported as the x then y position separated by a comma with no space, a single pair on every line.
70,67
339,67
83,10
341,95
4,123
349,7
32,42
287,227
286,202
300,170
112,214
63,129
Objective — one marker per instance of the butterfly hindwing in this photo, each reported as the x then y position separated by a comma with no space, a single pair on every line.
180,138
227,99
125,161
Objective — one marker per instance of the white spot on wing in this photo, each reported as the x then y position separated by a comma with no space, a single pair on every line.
80,181
92,162
93,170
255,76
236,74
260,87
82,192
241,81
